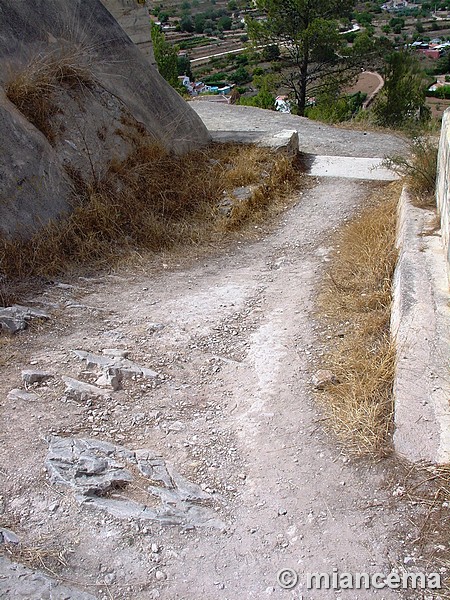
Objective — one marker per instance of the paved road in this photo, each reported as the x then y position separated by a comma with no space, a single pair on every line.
224,121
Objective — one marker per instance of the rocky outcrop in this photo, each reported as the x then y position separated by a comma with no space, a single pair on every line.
75,94
133,17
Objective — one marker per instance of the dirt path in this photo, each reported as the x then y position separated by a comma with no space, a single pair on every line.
232,409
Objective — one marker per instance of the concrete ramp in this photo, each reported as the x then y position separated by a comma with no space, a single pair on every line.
351,167
325,150
226,121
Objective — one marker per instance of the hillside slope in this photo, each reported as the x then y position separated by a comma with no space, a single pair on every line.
75,93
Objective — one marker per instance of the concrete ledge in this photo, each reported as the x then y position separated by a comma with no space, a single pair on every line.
351,168
442,188
420,326
285,140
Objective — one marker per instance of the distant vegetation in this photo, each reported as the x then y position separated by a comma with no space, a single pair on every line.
315,65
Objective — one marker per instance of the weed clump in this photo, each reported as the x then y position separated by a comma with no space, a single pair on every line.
355,304
419,167
153,201
32,88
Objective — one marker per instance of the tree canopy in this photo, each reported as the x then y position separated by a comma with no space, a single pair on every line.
166,56
402,99
307,31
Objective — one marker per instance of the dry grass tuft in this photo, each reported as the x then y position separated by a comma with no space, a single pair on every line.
242,168
276,177
32,88
428,486
38,557
355,303
152,201
419,166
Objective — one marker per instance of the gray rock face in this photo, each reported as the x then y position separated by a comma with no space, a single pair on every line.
100,472
133,18
17,581
90,124
29,170
16,317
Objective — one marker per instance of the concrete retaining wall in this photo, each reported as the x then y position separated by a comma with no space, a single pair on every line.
442,188
420,326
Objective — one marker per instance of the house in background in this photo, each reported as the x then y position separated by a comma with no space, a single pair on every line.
282,104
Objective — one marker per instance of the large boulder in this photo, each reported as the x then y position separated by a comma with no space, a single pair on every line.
75,94
133,17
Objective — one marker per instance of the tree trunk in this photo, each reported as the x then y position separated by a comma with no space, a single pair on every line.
303,79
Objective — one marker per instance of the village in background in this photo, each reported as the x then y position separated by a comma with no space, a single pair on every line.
217,64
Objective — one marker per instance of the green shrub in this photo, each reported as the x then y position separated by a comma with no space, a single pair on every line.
419,166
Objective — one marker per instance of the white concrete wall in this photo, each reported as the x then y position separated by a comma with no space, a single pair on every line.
420,328
442,188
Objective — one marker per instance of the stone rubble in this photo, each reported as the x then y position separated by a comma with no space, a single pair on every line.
323,378
154,327
81,391
31,376
8,537
115,366
16,317
239,194
116,352
100,473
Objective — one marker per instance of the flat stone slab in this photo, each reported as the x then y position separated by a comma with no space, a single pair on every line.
100,474
31,376
420,325
18,394
21,583
351,167
81,391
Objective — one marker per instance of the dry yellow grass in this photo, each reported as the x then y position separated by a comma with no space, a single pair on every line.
32,88
273,175
355,303
152,201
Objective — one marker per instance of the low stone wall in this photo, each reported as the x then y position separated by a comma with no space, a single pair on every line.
442,188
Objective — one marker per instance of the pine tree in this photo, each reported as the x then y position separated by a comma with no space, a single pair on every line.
166,56
307,32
